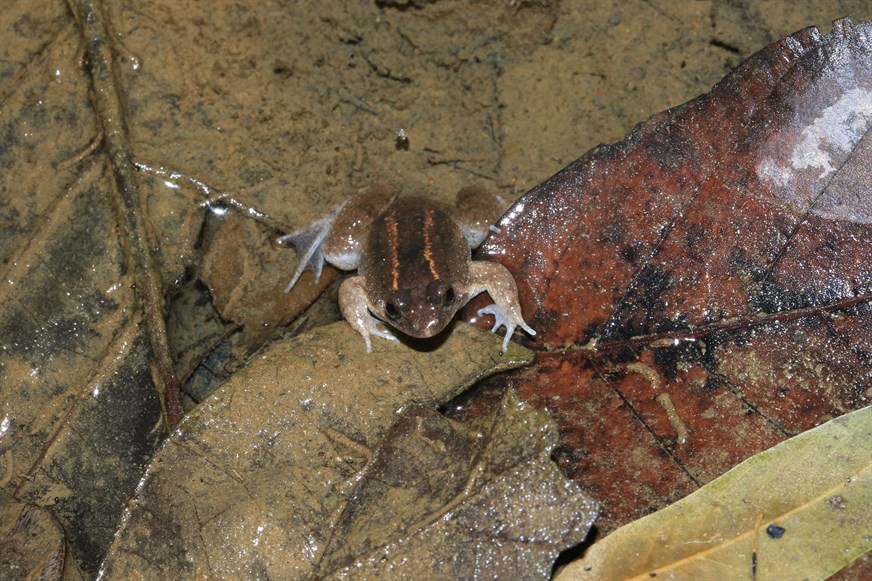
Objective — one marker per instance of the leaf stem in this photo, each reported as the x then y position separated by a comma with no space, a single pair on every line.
148,284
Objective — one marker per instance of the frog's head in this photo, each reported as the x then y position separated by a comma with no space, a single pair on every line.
421,311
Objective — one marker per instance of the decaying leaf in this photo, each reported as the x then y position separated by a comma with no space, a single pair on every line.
442,500
704,287
33,544
255,480
801,510
247,275
80,412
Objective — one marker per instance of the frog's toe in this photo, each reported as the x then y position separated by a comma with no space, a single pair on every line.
384,334
378,333
497,313
526,327
510,329
373,329
309,243
501,320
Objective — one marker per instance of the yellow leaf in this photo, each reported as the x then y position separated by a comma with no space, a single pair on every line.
815,489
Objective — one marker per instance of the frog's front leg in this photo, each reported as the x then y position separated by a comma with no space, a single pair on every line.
352,303
499,284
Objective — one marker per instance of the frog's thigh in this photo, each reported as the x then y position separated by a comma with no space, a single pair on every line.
344,244
477,208
343,258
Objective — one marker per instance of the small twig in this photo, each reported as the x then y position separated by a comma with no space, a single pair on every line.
147,279
212,197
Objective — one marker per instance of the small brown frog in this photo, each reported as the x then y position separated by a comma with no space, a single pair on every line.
414,262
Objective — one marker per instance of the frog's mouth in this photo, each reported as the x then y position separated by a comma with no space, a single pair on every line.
428,339
420,313
422,329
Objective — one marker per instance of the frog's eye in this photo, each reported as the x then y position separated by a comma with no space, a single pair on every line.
392,311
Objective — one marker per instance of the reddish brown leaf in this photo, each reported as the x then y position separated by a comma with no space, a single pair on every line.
716,266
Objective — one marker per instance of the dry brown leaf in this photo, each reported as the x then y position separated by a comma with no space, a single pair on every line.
254,480
460,501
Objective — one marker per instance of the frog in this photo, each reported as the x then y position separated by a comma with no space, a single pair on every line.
413,258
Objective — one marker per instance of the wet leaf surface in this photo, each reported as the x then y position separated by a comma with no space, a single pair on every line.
717,264
80,416
279,111
802,509
33,544
448,500
287,470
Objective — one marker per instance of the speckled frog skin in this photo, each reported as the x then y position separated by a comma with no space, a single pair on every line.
413,260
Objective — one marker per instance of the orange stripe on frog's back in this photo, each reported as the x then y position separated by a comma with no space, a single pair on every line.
428,244
393,248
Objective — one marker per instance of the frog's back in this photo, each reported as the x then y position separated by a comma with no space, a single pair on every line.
413,243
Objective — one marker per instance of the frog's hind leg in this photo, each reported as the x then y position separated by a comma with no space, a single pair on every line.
477,210
309,243
338,237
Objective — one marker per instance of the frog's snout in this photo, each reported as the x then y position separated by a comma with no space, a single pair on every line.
421,313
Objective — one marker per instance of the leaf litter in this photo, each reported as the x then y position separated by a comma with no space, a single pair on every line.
132,413
292,470
81,412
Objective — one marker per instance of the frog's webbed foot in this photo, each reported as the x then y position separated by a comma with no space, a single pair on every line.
337,238
506,310
352,303
376,328
309,243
